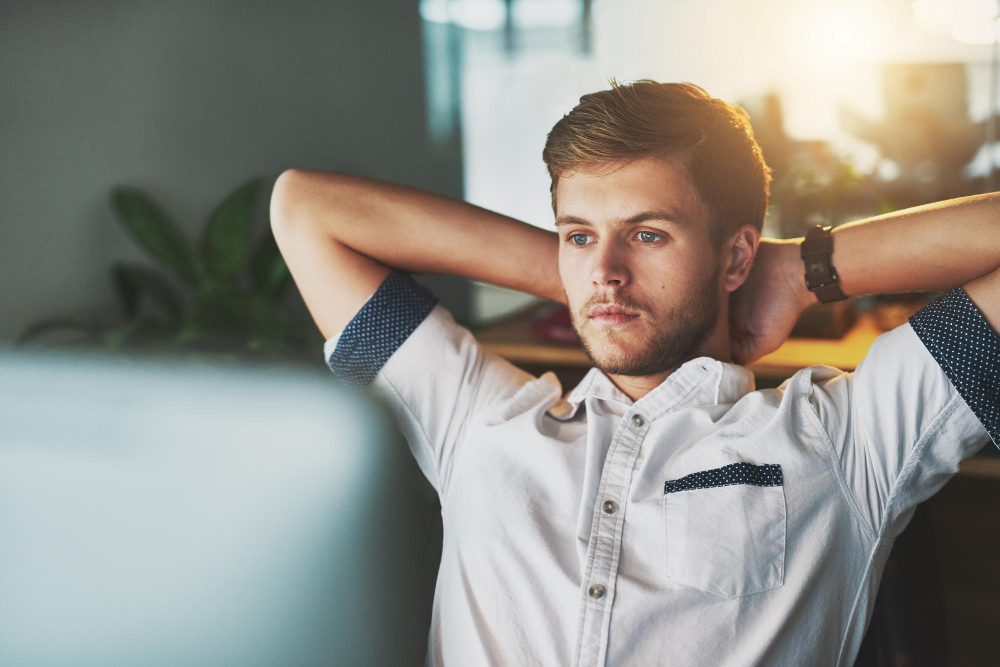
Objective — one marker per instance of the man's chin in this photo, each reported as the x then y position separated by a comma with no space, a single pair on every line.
615,338
608,354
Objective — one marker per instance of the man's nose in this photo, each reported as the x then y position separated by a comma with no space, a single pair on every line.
610,266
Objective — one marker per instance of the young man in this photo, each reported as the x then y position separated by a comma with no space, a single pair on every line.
663,511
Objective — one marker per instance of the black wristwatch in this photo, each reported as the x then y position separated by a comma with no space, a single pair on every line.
821,277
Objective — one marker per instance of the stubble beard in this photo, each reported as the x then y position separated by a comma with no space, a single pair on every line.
672,340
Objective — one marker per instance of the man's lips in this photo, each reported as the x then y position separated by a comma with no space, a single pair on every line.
610,310
611,315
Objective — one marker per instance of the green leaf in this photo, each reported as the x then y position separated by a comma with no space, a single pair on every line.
116,337
44,326
885,206
156,233
268,272
277,277
225,245
133,282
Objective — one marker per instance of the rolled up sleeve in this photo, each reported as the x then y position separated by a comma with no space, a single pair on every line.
431,372
923,399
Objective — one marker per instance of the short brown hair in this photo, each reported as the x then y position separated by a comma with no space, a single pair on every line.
712,138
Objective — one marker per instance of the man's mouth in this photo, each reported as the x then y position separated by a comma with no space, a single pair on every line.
609,315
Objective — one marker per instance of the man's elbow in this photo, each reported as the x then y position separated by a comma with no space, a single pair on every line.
282,199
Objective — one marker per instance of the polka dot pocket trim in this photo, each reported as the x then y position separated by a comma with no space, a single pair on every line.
381,326
964,344
766,474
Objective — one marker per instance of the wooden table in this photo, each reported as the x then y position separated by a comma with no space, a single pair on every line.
513,340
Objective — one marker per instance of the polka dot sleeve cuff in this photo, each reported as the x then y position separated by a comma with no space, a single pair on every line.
961,340
382,325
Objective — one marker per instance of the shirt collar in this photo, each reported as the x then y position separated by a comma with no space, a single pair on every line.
699,381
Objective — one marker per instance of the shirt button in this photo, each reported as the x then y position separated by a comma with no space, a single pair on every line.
637,420
610,506
596,591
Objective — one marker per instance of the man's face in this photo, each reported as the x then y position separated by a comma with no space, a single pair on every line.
662,270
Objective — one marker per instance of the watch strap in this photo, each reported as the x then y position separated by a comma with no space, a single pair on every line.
821,276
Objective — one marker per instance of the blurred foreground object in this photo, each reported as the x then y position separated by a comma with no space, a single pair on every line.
159,514
552,323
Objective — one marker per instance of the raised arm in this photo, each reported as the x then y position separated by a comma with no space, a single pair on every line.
341,235
936,247
931,248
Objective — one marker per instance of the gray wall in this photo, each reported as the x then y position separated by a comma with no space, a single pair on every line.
187,100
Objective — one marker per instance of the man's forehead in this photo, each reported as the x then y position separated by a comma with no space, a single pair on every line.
646,189
667,214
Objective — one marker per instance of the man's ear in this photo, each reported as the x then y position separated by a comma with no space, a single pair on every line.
739,253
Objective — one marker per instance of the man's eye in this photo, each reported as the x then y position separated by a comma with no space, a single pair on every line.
647,238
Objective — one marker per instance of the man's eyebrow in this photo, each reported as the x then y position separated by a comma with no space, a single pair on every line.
666,215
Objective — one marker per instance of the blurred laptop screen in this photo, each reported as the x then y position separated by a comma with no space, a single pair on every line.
157,512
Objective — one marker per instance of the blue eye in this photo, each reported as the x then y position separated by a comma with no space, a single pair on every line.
646,240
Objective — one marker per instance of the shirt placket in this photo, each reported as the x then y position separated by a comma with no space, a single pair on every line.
604,549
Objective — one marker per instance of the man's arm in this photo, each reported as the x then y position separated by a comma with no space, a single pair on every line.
925,396
935,247
931,248
341,235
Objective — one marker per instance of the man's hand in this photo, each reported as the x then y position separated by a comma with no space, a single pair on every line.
765,308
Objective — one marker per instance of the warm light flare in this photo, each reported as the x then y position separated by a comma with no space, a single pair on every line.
968,21
827,34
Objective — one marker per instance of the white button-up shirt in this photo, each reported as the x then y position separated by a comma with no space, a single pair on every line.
707,523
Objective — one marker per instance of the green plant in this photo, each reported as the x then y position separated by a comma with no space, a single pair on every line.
231,286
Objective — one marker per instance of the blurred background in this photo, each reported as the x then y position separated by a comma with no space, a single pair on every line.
139,142
126,126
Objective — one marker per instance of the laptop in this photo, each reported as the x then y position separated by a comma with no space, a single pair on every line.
156,511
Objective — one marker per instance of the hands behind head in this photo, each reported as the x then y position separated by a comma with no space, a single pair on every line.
765,308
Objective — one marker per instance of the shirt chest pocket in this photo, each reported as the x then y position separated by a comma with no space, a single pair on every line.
725,529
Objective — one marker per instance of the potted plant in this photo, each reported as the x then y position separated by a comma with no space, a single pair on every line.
220,296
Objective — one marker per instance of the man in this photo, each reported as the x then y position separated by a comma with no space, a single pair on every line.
663,512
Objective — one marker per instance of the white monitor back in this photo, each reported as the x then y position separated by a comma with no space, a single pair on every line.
157,512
